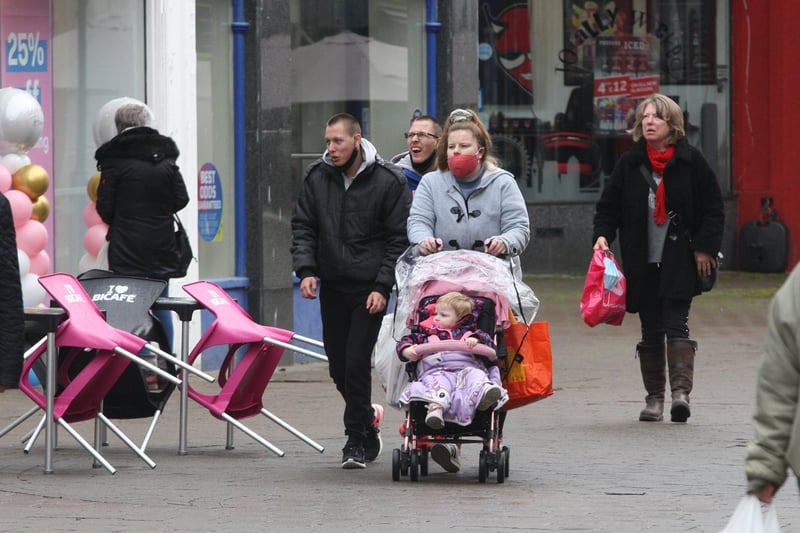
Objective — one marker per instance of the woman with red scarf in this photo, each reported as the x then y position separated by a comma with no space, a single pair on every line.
664,201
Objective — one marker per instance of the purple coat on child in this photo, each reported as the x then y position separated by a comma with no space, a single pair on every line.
456,380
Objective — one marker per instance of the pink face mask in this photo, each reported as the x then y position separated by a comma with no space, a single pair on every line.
462,165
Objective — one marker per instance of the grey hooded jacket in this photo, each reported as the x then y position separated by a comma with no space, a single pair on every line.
495,209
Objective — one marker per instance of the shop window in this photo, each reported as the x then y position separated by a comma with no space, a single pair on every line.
216,209
560,81
360,57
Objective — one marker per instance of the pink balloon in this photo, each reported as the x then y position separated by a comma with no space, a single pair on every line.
32,237
21,207
5,179
90,216
40,264
94,238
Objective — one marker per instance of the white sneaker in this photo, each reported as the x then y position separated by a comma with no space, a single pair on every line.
435,420
490,396
446,456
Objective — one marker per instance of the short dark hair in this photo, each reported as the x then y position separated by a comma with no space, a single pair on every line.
350,121
437,127
132,116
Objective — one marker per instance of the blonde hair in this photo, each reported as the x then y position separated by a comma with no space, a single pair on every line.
465,119
461,304
667,110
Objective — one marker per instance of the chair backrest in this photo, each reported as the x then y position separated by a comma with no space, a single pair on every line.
126,301
85,325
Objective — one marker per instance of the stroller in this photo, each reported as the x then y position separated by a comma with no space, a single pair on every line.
496,290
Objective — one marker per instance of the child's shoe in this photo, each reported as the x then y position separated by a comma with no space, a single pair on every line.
434,420
491,394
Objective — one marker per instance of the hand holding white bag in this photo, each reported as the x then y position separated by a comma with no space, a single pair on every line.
748,518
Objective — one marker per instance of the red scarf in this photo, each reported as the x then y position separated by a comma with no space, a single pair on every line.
658,160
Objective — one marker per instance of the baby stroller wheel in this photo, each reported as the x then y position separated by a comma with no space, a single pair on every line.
483,467
414,472
501,466
507,454
423,461
396,464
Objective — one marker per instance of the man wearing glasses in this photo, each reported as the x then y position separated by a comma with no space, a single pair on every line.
422,137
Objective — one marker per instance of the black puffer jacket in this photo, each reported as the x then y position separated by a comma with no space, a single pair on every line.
692,191
351,238
11,316
140,188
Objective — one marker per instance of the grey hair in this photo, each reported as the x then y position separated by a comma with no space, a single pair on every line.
132,116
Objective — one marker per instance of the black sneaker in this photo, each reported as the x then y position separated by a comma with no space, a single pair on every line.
353,455
372,444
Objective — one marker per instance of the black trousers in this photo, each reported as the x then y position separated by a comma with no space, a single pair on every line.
349,333
661,317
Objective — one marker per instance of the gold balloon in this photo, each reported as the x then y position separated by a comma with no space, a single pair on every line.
91,187
32,180
41,209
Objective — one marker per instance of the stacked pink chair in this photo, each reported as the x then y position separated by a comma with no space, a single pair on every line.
242,380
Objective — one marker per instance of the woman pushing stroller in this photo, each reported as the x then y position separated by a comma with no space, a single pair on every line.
468,203
454,383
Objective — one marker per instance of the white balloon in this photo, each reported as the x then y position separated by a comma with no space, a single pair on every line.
14,161
21,120
33,294
103,128
24,263
86,263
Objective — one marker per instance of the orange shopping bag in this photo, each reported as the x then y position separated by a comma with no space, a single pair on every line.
527,372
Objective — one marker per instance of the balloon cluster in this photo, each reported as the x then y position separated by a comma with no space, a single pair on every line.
103,130
24,185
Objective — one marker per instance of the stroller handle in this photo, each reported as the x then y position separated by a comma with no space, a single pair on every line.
455,346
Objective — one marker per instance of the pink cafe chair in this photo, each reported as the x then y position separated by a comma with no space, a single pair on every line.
242,380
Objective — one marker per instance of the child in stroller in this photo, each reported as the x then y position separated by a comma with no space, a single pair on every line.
454,383
496,291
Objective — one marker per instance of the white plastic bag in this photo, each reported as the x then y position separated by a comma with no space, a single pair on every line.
391,370
748,518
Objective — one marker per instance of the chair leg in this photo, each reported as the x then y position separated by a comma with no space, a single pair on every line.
128,442
30,439
229,437
253,435
86,446
293,431
19,420
150,430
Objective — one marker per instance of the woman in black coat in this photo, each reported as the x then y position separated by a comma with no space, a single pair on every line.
11,315
666,204
140,189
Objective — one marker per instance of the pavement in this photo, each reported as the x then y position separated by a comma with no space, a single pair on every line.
580,461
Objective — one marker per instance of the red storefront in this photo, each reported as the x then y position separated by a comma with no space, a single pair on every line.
765,114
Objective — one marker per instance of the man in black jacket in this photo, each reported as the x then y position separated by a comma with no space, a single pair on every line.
348,229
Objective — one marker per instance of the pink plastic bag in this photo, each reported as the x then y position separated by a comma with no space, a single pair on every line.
601,305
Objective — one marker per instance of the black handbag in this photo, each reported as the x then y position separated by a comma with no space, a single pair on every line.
706,282
184,254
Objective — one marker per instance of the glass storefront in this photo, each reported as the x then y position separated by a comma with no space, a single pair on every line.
216,209
98,55
363,58
560,81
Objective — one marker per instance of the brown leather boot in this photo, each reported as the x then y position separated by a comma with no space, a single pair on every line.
680,358
652,363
